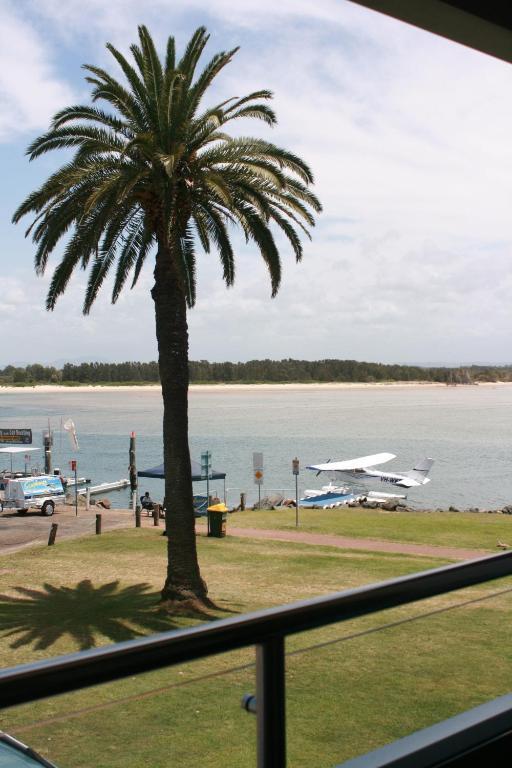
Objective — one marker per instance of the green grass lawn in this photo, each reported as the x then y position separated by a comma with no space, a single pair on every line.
450,529
347,692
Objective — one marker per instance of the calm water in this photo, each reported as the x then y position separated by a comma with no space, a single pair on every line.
466,429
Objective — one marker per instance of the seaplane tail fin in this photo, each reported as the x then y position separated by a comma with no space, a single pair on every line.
420,471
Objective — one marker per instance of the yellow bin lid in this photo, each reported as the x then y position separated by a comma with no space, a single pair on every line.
218,508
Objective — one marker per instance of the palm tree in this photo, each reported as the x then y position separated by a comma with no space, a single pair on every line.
153,172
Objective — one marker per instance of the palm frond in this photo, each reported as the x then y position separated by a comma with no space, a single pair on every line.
170,55
188,62
134,80
258,111
196,93
123,230
290,233
201,228
96,139
153,77
96,115
145,246
263,94
217,230
185,261
262,236
107,88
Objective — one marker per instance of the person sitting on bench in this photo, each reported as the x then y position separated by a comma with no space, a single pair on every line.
147,502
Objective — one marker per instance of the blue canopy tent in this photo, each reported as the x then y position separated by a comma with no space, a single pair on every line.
196,472
158,472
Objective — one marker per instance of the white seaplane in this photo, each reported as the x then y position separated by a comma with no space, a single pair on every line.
358,472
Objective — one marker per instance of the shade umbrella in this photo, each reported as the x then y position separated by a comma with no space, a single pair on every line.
15,449
158,472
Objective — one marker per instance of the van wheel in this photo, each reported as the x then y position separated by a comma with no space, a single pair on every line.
48,508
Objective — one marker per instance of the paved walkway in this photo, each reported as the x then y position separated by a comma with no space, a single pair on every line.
18,532
370,545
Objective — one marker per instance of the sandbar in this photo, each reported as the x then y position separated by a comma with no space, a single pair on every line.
313,386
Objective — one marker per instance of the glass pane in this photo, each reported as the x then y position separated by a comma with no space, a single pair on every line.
186,716
355,686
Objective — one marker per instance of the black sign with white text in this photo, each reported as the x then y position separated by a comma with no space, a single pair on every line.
16,436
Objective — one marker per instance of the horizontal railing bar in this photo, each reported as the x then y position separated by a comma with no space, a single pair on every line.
30,682
444,741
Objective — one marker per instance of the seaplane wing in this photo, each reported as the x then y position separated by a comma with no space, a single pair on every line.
352,465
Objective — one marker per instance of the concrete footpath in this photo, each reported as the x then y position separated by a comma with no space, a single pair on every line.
20,531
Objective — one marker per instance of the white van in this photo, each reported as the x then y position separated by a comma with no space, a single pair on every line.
43,492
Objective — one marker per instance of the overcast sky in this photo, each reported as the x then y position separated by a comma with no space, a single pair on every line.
409,138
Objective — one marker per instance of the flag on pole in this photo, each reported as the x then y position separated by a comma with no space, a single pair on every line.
69,426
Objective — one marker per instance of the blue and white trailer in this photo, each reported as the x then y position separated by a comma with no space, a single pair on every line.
43,492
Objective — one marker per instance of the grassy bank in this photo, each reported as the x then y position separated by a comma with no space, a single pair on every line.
449,529
347,692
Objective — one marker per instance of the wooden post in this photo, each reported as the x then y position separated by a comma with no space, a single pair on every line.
156,515
133,472
242,502
98,524
53,534
137,516
75,466
47,442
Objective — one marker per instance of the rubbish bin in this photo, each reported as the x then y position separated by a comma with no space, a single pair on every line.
217,516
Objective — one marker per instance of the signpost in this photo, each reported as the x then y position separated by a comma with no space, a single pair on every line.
132,469
257,465
74,468
206,472
295,471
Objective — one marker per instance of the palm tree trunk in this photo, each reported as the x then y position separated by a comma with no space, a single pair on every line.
183,580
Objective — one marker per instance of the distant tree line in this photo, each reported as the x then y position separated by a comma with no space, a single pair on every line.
253,371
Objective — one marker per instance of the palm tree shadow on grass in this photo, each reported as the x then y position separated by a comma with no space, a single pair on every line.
41,617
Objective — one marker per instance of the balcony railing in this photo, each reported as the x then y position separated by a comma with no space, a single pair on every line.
475,733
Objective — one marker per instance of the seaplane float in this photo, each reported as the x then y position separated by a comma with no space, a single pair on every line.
355,474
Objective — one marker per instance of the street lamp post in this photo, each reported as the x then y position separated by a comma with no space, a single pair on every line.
295,470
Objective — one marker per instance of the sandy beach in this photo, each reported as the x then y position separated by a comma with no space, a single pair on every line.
328,386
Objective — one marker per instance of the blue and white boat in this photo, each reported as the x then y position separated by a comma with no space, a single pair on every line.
328,497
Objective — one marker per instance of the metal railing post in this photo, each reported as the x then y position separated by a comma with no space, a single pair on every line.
270,708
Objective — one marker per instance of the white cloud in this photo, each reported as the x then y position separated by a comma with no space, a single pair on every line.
30,90
119,16
408,136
